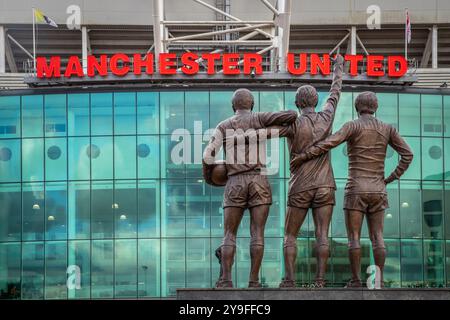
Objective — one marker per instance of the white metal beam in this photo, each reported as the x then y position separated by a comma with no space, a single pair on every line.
271,7
10,57
213,33
84,47
427,51
230,16
434,51
158,29
284,28
2,50
353,40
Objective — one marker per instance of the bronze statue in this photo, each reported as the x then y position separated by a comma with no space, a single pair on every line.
311,185
365,193
246,187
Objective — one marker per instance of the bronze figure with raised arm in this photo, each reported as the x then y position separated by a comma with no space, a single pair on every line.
365,193
311,185
247,186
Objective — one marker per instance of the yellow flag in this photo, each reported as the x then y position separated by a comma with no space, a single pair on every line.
41,17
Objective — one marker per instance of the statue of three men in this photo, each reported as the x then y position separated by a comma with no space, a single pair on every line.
311,182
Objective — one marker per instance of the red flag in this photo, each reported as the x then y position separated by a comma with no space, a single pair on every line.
408,27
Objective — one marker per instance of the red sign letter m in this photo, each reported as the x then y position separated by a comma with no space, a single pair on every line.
53,70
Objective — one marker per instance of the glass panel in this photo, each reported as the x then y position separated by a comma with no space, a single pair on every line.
102,207
338,219
125,157
446,116
148,112
194,158
197,208
410,210
272,265
33,159
432,115
101,114
433,263
55,115
388,111
10,213
242,262
220,106
412,263
79,259
32,116
302,276
392,267
447,210
78,114
414,169
392,216
198,267
173,266
10,271
344,112
172,111
55,270
446,159
56,159
149,208
33,270
216,212
10,119
271,101
10,160
101,155
125,210
173,212
433,210
149,264
79,210
125,113
102,269
289,100
197,112
409,114
432,159
148,156
275,221
78,159
339,161
56,211
33,211
172,156
125,268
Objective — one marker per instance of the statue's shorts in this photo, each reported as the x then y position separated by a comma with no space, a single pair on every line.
366,202
247,191
314,198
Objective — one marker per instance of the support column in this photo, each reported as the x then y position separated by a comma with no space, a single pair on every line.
2,50
434,49
284,29
353,40
84,47
158,29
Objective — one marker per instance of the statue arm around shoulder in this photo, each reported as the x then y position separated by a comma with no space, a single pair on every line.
336,86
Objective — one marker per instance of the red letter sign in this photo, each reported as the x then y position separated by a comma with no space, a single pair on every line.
114,61
93,65
74,67
138,63
291,64
190,66
49,71
375,66
252,61
392,66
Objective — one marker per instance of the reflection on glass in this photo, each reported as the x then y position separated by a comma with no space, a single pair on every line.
197,208
10,277
33,159
79,256
102,208
33,211
102,269
147,112
431,115
32,116
149,268
55,211
173,266
55,115
78,158
412,263
55,270
78,112
173,210
101,114
433,210
124,157
172,111
433,263
10,213
409,114
79,211
10,119
198,253
33,270
55,159
9,160
125,113
410,210
125,210
125,269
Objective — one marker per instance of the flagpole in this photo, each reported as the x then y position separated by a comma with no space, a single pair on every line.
406,34
34,41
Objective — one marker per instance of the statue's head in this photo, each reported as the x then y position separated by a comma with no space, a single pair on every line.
242,100
366,102
306,96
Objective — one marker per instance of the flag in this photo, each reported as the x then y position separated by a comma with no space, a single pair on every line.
408,27
41,17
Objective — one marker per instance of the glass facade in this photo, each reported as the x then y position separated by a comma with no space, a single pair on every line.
91,189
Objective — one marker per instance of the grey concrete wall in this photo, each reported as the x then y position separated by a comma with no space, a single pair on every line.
309,12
